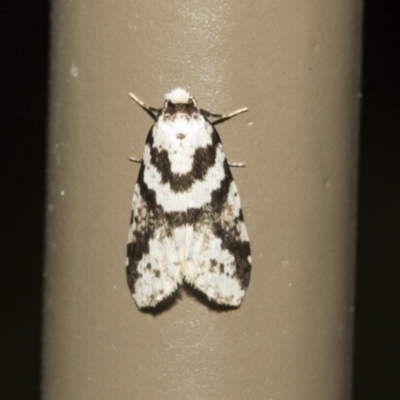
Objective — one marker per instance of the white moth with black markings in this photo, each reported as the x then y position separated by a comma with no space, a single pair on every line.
187,222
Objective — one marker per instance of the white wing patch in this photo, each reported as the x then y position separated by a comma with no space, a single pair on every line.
187,223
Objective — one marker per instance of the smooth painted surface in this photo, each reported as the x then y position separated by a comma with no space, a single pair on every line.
296,66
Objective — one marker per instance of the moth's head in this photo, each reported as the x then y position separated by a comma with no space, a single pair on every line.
179,96
180,102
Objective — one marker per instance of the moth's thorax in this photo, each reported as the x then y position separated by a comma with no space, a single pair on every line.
182,131
180,137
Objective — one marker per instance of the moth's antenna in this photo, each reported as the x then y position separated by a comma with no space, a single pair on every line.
145,107
224,117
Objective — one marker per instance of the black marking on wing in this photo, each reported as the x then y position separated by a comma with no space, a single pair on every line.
203,159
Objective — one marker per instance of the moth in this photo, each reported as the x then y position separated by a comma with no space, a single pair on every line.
186,223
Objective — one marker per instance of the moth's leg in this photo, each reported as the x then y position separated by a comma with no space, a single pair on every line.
150,110
237,165
137,160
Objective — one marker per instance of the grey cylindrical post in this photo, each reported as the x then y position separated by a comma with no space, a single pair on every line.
296,66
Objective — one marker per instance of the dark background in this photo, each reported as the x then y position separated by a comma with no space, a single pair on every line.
24,38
